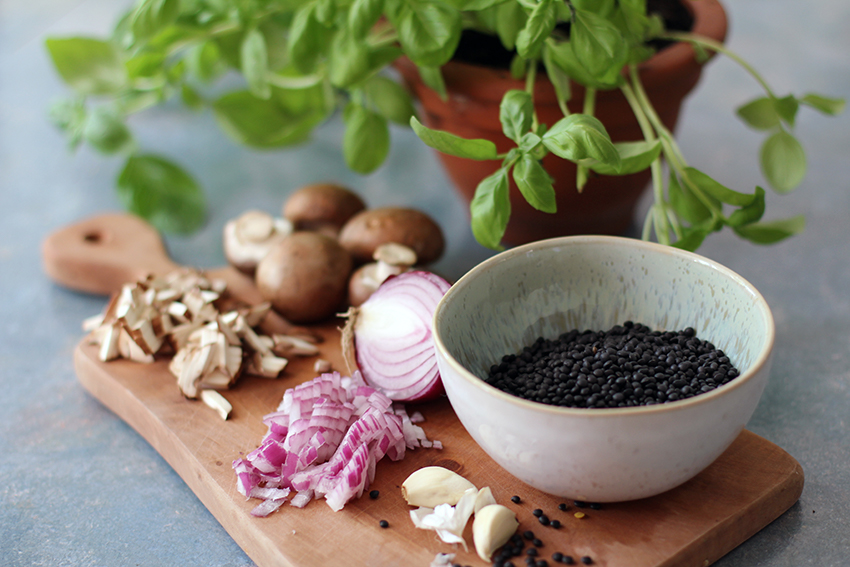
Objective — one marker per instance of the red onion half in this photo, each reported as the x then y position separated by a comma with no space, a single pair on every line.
391,336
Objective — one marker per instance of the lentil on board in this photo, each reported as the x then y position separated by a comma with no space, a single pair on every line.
628,365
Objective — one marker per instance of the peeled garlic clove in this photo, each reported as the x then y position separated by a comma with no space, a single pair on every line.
483,498
431,486
492,528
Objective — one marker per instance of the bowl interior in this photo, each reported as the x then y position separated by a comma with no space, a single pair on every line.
595,282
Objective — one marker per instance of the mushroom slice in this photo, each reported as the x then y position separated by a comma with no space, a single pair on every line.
249,237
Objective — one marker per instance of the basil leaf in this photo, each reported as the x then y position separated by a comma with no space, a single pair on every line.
89,66
692,238
389,99
152,16
750,213
720,192
363,15
760,114
349,61
366,141
190,97
535,184
783,161
105,130
771,232
262,123
307,39
161,192
559,79
579,137
786,108
255,63
478,149
685,203
539,26
634,157
510,19
429,31
205,62
490,209
598,44
516,112
563,55
826,105
433,77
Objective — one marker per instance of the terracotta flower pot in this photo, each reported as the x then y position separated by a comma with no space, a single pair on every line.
607,203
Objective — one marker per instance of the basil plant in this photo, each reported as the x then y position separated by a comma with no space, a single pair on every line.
300,61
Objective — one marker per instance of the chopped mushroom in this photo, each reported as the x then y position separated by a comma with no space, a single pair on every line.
211,349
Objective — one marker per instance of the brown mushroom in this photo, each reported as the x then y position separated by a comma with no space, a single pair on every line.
305,277
367,230
322,207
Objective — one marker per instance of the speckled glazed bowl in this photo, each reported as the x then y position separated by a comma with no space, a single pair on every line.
596,282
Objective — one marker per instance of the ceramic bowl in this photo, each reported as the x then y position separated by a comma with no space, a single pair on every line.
595,282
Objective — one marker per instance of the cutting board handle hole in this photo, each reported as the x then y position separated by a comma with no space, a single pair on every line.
93,237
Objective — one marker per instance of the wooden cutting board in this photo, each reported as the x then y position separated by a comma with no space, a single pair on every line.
749,486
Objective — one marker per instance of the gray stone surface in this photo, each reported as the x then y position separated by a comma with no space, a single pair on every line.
79,487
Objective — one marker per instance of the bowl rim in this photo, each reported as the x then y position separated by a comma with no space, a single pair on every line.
596,413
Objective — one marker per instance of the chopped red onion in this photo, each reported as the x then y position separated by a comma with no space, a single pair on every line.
325,440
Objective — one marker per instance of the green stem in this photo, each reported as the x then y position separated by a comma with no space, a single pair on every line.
530,79
718,47
588,108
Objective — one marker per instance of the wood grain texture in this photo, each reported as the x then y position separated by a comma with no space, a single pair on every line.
750,485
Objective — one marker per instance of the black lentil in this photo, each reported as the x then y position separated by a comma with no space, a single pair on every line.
544,520
531,552
528,534
587,560
555,524
557,557
568,560
563,507
595,506
537,542
516,499
537,512
625,366
374,494
541,563
384,524
579,504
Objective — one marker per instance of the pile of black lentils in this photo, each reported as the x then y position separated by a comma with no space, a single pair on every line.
628,365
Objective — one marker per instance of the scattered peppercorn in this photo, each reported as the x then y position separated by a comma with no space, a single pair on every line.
384,524
628,365
374,494
516,499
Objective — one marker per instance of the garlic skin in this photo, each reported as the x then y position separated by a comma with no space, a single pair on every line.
492,527
431,486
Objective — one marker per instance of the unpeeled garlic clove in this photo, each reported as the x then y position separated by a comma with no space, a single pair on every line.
431,486
492,527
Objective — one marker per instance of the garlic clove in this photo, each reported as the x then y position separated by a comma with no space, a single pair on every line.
431,486
492,527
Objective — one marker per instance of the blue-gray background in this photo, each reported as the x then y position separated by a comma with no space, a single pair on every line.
79,487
